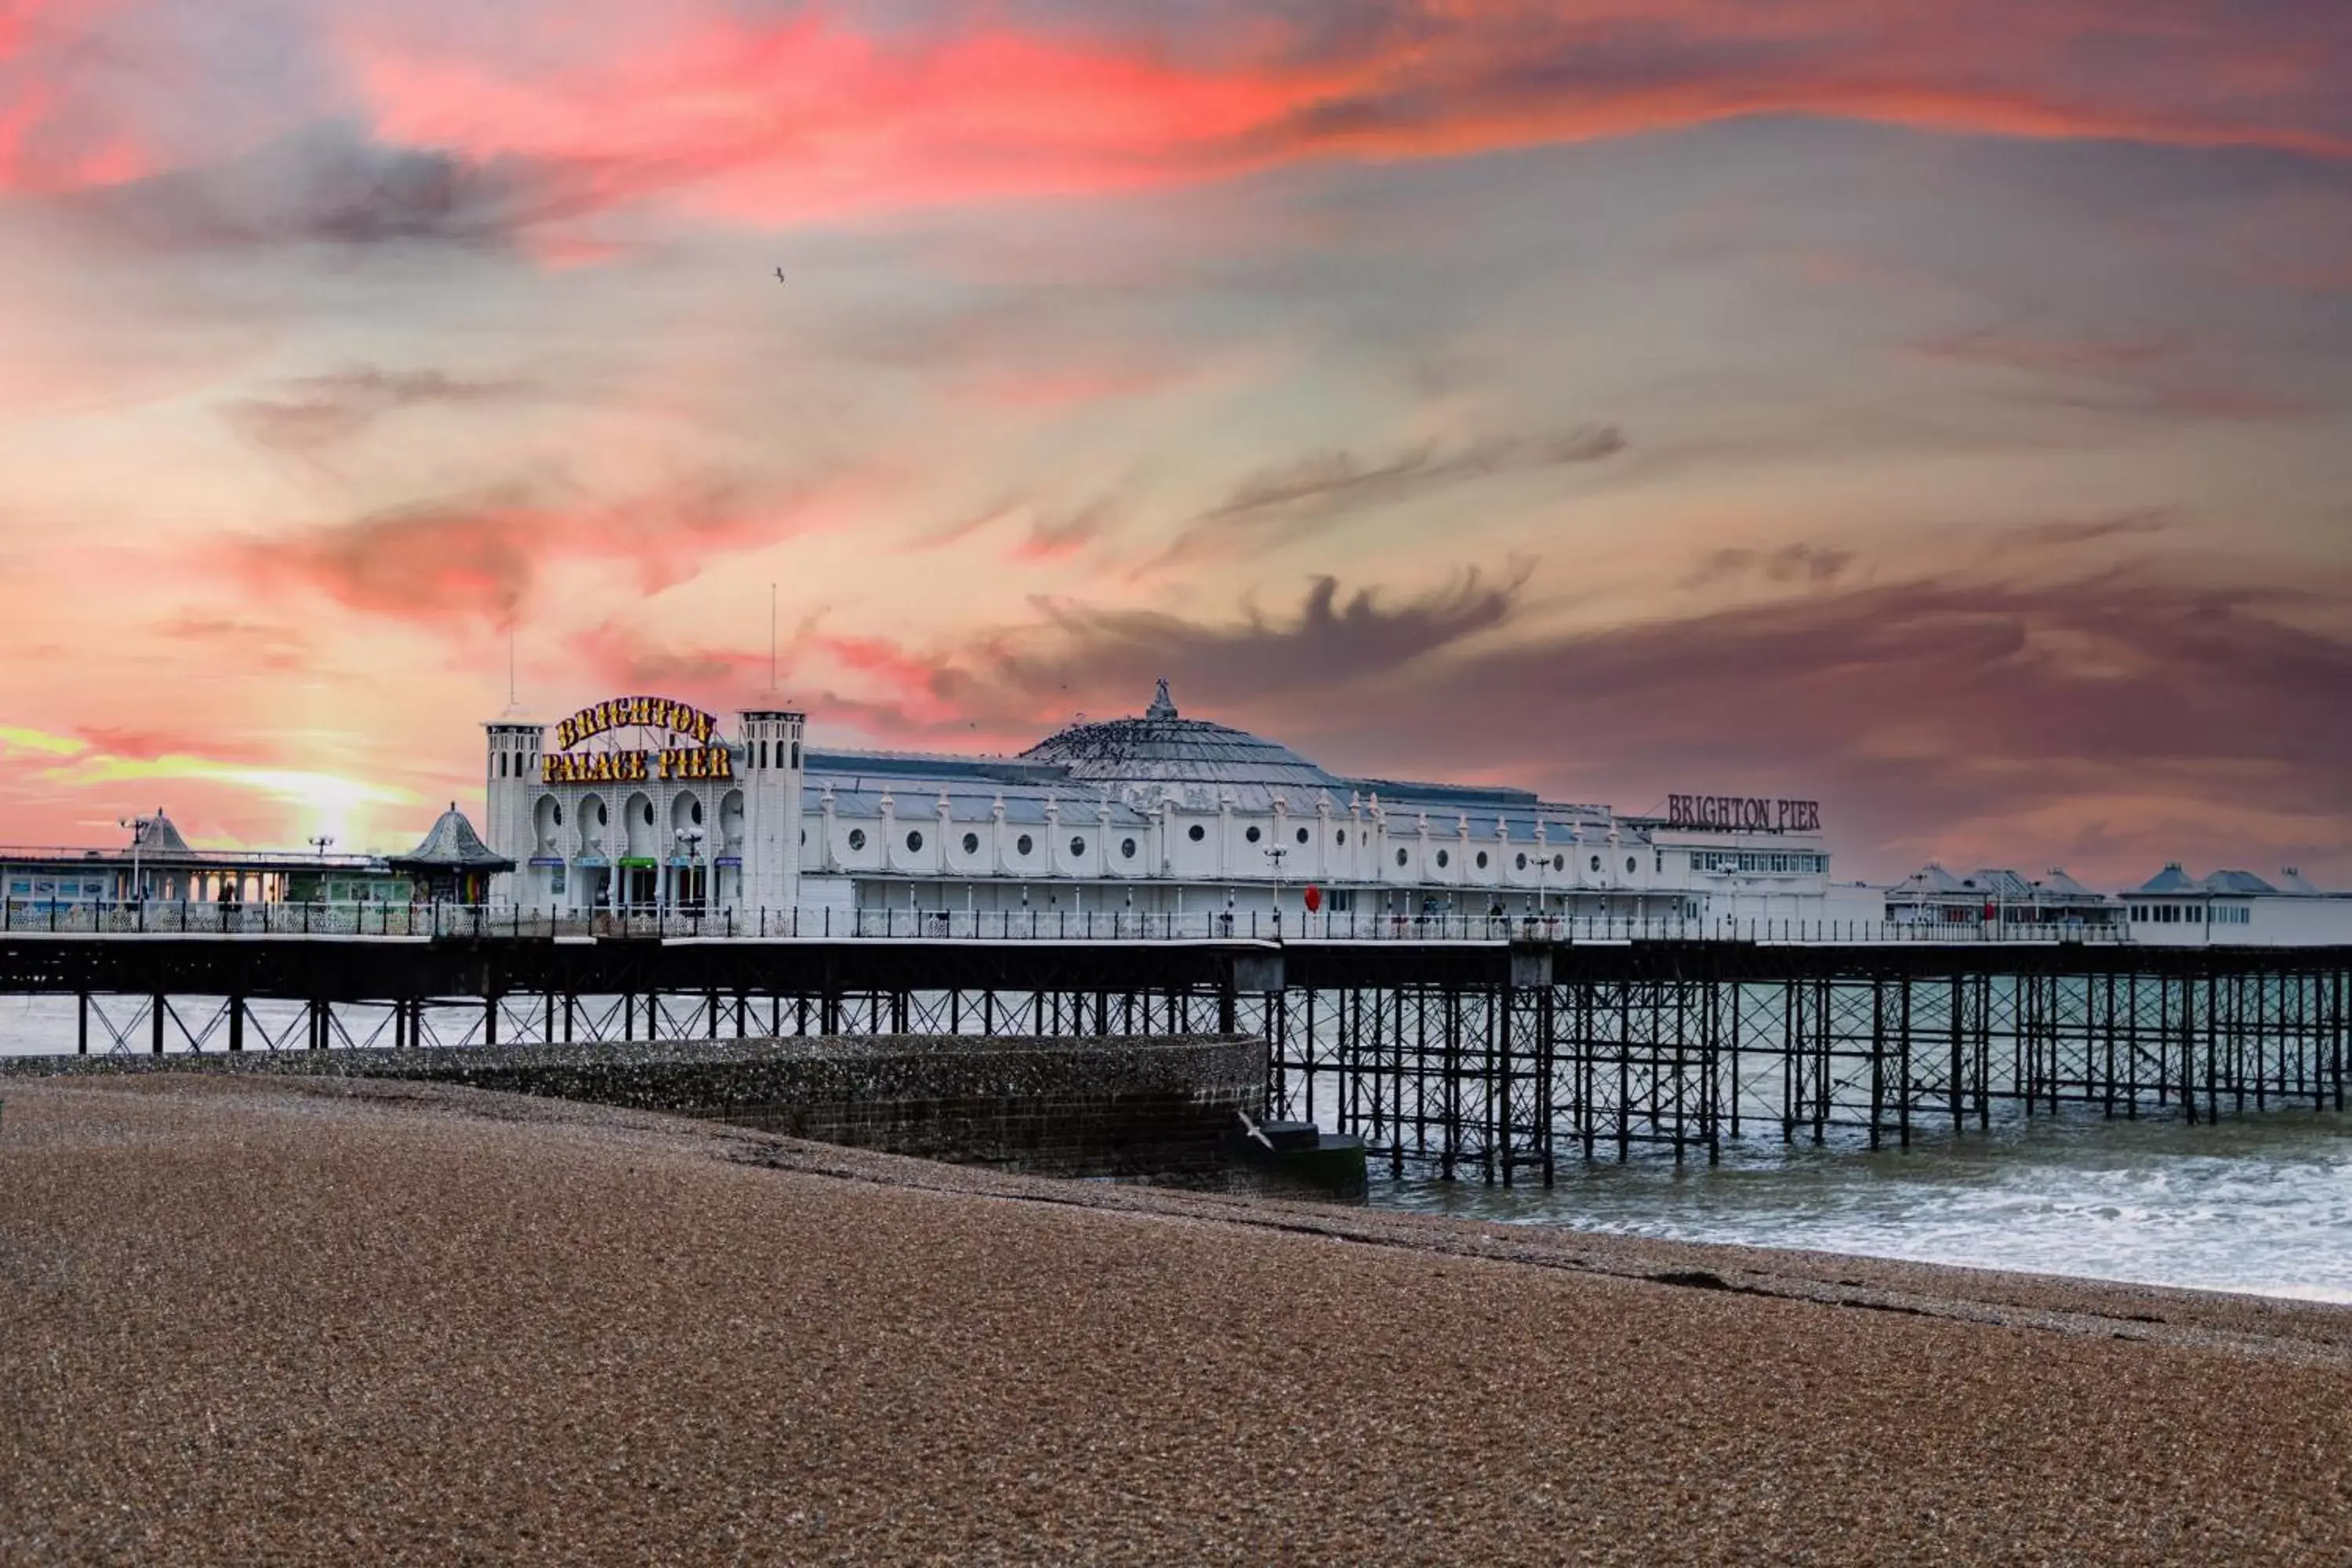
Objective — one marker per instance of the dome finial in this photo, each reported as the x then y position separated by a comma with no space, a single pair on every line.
1162,707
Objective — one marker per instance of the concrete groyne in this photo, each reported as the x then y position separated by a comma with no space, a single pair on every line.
1145,1107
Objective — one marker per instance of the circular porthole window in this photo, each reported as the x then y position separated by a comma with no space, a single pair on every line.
1022,845
1400,857
1127,848
1630,863
857,838
1522,863
1077,846
1482,859
1198,832
914,842
1596,862
1302,836
1560,862
1252,836
971,843
1343,836
1441,860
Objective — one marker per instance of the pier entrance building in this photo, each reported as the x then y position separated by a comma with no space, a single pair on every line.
645,804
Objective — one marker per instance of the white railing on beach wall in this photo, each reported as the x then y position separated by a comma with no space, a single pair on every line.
153,917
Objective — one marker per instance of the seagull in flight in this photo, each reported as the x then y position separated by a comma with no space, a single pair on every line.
780,275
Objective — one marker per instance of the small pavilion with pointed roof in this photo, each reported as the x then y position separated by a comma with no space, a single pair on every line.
452,866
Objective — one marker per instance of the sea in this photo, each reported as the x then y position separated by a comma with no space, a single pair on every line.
2260,1204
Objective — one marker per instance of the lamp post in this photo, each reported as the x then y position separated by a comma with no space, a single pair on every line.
138,827
690,841
1276,854
319,842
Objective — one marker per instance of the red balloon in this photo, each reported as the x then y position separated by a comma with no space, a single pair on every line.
1313,898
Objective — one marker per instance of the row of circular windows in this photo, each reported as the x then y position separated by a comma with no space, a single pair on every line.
1559,862
1022,846
1026,845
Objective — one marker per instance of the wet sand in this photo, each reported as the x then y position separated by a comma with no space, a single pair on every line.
246,1322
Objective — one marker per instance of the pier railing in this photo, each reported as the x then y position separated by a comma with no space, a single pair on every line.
426,921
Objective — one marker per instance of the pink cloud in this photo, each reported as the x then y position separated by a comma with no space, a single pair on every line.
1052,389
811,117
479,559
59,132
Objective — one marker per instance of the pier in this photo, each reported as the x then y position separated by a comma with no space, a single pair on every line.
1492,1051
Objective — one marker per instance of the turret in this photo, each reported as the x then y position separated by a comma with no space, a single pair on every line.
510,781
772,741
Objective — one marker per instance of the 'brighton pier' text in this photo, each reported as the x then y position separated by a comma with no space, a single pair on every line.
1743,813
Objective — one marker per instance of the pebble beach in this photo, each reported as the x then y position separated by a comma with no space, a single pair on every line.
246,1321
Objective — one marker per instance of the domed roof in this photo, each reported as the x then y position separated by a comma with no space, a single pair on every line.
452,843
1166,756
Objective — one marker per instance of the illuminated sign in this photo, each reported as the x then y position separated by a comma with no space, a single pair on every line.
620,767
706,758
639,713
1742,814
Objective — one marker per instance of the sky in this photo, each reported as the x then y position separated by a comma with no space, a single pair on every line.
1941,412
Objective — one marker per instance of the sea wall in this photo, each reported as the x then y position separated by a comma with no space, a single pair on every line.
1157,1107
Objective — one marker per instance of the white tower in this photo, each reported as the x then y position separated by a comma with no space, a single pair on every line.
772,811
510,783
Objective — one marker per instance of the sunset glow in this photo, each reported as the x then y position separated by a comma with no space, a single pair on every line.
1938,411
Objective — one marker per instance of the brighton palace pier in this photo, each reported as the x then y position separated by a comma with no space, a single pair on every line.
643,804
